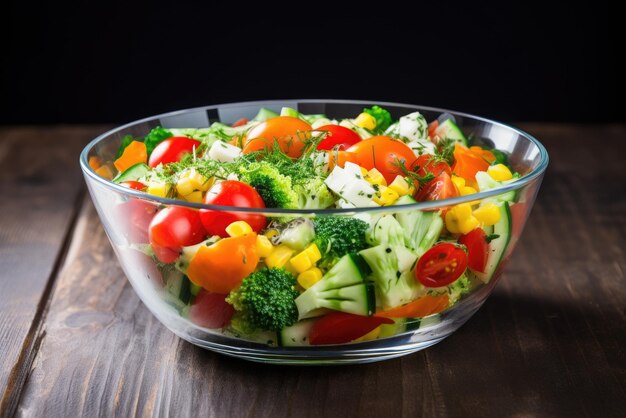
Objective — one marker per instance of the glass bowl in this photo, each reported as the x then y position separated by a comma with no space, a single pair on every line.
123,212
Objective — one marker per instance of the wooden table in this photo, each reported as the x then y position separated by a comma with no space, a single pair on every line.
76,341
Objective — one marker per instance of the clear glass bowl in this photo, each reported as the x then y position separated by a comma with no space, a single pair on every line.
113,202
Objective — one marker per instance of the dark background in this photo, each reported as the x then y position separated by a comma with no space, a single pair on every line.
85,63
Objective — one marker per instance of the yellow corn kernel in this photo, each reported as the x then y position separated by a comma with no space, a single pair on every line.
372,335
500,172
279,256
238,229
313,253
158,189
365,120
488,214
194,197
263,246
271,233
375,177
301,262
184,186
401,186
465,190
308,278
363,171
388,196
460,220
459,182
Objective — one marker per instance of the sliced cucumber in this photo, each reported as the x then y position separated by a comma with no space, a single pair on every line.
264,114
497,246
134,172
399,326
448,129
486,182
296,335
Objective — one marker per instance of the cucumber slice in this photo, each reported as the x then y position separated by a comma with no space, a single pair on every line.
134,172
264,114
296,335
497,246
399,326
287,111
450,130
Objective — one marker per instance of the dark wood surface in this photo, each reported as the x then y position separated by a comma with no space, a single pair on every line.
76,341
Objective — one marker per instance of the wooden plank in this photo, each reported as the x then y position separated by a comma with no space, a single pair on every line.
548,342
40,183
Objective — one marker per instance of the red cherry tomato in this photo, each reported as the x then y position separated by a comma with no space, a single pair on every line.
477,249
172,150
337,136
132,184
441,187
135,216
231,193
427,163
172,228
340,328
210,310
384,153
441,265
432,127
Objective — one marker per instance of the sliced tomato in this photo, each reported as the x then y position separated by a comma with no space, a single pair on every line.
288,132
441,187
477,249
240,122
135,216
231,193
337,136
427,163
132,184
432,127
210,310
172,150
385,154
340,328
467,163
424,306
441,265
173,228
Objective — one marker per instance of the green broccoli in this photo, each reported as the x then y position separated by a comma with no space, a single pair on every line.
337,236
458,288
314,194
266,300
382,116
275,189
155,137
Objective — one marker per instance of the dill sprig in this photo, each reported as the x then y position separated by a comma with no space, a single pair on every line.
412,175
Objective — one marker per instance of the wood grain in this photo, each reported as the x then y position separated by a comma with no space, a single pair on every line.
549,341
39,183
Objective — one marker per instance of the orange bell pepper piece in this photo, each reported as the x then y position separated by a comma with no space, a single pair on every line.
134,153
221,267
467,163
483,153
424,306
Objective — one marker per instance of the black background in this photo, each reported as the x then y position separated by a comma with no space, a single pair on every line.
86,63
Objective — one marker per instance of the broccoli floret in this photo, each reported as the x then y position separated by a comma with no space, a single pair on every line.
314,194
382,116
275,189
155,137
458,288
266,300
337,236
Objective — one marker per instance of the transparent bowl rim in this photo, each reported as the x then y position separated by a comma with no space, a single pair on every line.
514,185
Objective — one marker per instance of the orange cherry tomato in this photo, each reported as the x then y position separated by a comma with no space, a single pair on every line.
338,157
290,133
424,306
383,153
221,267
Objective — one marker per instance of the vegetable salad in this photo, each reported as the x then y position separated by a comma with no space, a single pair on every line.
326,279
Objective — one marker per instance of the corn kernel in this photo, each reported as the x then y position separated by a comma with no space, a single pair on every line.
301,262
279,257
459,182
401,186
363,171
372,335
238,229
500,172
313,253
194,197
184,186
488,214
308,278
459,219
365,120
158,189
271,233
263,246
375,177
388,196
465,190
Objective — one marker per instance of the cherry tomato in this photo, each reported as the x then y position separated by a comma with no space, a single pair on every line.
132,184
337,136
287,131
427,163
477,249
384,153
172,150
432,127
240,122
172,228
441,265
135,216
340,327
441,187
210,310
231,193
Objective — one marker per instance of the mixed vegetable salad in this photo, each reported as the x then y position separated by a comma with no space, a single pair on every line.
295,280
